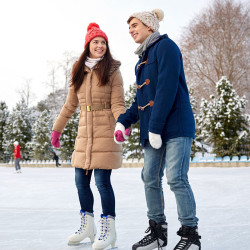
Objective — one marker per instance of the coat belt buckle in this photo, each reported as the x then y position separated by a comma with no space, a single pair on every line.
88,108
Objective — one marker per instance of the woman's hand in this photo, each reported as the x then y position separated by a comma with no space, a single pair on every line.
55,139
121,134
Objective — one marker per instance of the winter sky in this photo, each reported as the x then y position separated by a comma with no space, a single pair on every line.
36,32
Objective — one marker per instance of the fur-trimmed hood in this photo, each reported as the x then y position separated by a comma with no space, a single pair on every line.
115,66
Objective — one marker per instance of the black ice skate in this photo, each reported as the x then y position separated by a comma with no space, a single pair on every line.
190,239
156,239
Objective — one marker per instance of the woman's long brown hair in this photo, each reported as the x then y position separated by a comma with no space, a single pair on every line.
102,70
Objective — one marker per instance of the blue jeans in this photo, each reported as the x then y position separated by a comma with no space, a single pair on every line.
174,155
86,198
17,164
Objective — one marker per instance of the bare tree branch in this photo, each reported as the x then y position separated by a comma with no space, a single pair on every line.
216,43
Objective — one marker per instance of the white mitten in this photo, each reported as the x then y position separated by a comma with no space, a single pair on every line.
155,140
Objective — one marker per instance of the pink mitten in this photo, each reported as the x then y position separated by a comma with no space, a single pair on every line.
127,132
119,136
55,139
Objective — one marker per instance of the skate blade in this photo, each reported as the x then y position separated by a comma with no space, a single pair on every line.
112,248
79,243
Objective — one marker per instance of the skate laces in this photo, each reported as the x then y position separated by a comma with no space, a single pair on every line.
150,237
183,243
104,227
83,222
186,242
187,239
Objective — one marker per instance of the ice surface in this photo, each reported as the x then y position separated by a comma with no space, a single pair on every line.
39,208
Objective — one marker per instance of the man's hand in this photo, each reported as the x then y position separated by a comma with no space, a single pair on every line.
155,140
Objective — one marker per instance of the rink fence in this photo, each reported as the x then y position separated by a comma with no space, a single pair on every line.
195,162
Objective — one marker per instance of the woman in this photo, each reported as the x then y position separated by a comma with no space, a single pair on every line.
96,86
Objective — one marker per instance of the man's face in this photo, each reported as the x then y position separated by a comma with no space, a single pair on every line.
138,30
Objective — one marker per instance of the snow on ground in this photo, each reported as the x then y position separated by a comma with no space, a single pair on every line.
39,208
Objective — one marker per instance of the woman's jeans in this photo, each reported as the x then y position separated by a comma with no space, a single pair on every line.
174,155
86,198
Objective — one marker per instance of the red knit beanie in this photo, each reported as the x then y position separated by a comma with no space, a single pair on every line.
93,31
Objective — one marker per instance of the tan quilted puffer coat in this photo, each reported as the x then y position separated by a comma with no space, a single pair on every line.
95,147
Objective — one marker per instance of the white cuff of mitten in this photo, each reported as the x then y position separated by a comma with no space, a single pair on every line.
120,126
118,142
155,140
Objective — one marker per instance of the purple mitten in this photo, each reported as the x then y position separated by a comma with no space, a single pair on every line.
55,139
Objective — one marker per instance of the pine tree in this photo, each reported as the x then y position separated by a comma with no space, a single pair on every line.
132,147
3,118
18,128
68,137
41,145
222,121
197,143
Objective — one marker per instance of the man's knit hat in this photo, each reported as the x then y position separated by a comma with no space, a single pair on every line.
16,143
149,18
93,31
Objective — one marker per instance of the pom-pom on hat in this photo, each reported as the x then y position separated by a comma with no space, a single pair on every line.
93,31
149,18
16,143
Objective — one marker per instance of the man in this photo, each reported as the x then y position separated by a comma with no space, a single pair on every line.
17,156
56,158
166,130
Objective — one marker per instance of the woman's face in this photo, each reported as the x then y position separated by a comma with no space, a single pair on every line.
97,47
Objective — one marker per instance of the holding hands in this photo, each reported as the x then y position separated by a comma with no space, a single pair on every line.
121,134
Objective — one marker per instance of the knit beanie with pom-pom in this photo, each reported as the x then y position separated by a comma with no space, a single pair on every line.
149,18
93,31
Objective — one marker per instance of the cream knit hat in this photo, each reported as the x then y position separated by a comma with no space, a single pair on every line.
149,18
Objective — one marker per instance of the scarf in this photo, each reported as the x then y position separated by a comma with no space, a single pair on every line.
91,62
149,40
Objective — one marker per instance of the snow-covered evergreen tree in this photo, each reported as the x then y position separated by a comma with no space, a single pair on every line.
3,119
18,128
41,145
222,121
193,101
68,137
53,103
197,143
132,147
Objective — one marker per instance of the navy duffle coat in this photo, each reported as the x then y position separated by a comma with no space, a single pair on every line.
162,101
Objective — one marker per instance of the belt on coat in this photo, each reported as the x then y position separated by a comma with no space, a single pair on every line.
96,107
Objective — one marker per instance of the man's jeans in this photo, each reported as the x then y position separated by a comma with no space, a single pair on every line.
102,180
174,155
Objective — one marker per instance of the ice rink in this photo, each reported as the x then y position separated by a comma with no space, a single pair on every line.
39,208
